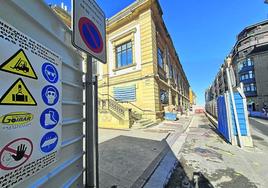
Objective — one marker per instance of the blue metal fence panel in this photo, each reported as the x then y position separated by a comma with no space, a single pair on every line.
241,115
222,118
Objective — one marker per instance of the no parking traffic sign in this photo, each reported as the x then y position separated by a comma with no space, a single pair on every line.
89,28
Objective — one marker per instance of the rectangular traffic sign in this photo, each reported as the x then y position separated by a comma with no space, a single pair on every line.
89,28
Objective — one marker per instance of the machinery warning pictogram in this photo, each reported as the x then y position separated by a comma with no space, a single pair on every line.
16,153
19,64
18,94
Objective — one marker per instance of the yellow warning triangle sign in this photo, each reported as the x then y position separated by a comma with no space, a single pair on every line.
18,94
19,64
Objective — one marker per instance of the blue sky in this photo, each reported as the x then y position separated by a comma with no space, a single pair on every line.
203,31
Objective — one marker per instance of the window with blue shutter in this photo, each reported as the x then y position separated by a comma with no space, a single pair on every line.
125,94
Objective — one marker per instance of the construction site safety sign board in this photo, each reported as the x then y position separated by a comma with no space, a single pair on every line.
89,28
30,106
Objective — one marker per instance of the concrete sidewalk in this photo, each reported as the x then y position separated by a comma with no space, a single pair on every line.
207,159
128,158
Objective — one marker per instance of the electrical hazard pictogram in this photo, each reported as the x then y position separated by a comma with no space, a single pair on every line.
16,153
19,64
18,94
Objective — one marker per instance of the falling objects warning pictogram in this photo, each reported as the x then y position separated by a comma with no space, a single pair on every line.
18,94
16,153
19,64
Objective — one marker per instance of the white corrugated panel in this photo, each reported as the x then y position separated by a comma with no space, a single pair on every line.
35,19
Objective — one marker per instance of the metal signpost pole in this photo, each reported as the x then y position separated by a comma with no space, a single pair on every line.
89,33
90,141
96,130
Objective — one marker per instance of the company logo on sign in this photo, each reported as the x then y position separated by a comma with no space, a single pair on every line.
16,118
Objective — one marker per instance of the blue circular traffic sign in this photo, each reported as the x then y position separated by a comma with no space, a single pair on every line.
50,73
49,142
49,118
90,35
50,95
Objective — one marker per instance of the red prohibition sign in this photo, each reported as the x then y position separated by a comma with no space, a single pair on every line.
9,148
90,35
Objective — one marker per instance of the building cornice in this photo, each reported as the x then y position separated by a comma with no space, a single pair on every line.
129,13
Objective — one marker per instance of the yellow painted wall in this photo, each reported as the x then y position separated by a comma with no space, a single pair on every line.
108,120
147,93
147,86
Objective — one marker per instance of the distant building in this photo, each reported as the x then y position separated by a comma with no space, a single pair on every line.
219,85
63,14
192,98
250,64
143,73
250,60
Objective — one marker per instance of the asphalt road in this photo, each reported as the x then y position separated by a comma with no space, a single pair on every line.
259,125
215,163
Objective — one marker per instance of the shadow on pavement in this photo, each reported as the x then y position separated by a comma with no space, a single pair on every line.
129,162
215,130
179,179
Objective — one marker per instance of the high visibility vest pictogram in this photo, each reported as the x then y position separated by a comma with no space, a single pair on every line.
19,64
18,94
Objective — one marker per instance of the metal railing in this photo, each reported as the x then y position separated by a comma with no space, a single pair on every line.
109,103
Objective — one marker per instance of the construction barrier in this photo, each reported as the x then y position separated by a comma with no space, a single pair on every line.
51,145
233,119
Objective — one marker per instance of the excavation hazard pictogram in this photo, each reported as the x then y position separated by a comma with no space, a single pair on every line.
15,154
18,94
19,64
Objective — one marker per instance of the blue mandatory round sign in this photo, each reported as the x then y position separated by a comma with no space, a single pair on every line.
49,118
49,142
50,95
50,73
